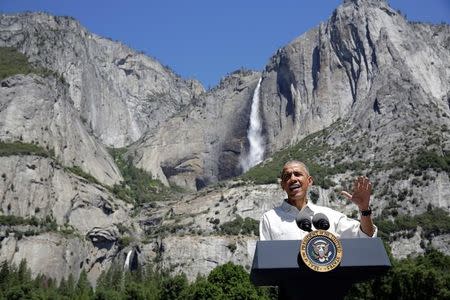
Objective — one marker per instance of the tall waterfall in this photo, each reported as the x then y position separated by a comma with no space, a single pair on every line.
254,134
126,266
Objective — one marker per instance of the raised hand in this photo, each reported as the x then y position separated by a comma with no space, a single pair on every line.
362,187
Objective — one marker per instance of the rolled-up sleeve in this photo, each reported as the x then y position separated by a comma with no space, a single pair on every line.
350,228
361,233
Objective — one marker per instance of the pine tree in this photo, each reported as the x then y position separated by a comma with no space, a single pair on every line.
83,288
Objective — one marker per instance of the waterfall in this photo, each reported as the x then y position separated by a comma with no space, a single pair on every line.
254,134
126,266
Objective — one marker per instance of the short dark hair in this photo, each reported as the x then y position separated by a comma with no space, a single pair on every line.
294,162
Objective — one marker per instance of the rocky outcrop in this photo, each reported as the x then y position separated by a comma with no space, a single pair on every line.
203,143
404,246
38,110
57,256
200,255
187,233
367,64
120,93
40,189
50,254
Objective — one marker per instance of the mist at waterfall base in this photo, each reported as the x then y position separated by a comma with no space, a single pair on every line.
254,135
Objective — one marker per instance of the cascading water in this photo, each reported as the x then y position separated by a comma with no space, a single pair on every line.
254,134
126,266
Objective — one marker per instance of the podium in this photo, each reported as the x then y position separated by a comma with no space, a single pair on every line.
278,263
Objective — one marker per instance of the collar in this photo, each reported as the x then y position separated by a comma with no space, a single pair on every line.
292,210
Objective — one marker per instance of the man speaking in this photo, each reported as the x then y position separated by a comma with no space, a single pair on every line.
281,222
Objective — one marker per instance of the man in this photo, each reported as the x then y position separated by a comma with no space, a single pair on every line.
279,223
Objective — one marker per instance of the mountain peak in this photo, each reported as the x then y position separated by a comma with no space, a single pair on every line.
363,2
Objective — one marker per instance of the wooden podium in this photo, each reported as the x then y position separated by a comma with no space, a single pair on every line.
278,263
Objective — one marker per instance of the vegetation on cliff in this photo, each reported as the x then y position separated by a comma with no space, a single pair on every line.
20,148
138,186
13,62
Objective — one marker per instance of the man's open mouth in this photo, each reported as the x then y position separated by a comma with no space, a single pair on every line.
294,186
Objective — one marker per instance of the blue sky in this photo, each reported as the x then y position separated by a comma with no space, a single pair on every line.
206,39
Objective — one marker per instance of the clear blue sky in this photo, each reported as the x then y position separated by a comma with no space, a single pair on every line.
206,39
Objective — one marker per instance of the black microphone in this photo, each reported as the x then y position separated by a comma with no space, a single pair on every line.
320,221
303,221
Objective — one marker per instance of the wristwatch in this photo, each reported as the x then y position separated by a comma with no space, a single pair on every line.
366,213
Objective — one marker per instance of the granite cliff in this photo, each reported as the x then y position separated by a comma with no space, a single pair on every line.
364,92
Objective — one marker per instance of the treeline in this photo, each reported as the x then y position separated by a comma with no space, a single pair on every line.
227,281
424,277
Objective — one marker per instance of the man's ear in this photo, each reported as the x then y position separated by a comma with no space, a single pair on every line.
310,180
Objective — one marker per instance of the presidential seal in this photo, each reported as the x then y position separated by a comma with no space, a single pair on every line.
321,251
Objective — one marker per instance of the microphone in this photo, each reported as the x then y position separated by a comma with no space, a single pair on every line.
320,221
303,221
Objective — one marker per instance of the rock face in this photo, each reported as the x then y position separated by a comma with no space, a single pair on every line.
49,254
367,64
40,188
203,143
196,244
209,253
377,84
118,92
39,110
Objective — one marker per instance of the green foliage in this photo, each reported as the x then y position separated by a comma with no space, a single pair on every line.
79,172
424,277
67,288
83,289
431,160
173,287
239,225
433,222
124,241
13,62
138,185
234,283
325,161
41,225
12,220
308,150
202,289
19,148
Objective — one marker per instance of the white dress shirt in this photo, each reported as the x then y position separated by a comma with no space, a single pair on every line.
279,223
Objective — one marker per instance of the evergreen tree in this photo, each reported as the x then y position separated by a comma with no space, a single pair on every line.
83,290
172,288
105,294
23,274
4,274
424,277
234,282
202,289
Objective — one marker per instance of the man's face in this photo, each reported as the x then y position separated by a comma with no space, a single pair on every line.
295,181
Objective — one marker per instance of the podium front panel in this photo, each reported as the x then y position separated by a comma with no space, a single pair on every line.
277,262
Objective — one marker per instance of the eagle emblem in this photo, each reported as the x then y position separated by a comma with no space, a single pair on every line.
321,250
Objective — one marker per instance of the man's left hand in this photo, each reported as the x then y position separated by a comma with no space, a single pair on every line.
362,187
